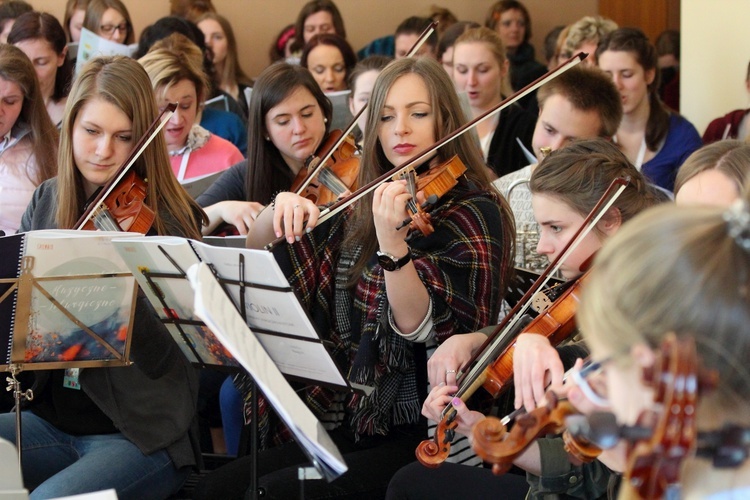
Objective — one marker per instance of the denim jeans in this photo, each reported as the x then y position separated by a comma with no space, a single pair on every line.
56,464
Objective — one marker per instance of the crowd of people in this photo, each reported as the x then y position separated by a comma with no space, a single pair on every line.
664,269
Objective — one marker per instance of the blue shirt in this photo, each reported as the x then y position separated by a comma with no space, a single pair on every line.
681,140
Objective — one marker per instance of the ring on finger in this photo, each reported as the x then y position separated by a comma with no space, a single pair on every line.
449,371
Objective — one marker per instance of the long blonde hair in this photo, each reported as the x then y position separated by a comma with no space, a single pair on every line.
122,82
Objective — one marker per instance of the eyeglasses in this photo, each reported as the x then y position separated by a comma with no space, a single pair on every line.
109,28
591,383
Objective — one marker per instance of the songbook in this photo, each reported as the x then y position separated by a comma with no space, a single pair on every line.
66,300
257,287
219,102
221,315
196,185
92,45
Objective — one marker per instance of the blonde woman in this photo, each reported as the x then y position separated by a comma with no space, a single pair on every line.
177,76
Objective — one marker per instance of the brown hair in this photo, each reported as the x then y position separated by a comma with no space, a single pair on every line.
232,72
96,9
449,116
313,7
43,26
587,89
15,67
70,8
634,41
497,9
330,39
580,173
731,157
122,82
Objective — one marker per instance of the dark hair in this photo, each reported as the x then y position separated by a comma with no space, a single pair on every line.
415,25
449,36
313,7
174,24
12,10
587,89
267,172
550,42
350,58
370,63
444,17
277,50
497,9
43,26
96,9
668,42
635,41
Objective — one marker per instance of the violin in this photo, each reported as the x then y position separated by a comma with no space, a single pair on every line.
338,174
433,184
492,366
120,205
494,444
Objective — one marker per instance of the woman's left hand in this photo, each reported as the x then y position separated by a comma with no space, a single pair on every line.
389,212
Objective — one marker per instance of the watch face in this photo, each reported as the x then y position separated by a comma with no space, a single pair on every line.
387,262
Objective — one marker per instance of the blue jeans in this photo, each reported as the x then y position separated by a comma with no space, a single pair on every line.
57,464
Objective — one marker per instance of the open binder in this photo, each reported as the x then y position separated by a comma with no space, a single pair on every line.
66,300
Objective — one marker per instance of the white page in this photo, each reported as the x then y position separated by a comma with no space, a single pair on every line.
219,314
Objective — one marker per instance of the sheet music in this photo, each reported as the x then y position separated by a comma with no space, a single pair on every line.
196,185
342,116
92,45
219,314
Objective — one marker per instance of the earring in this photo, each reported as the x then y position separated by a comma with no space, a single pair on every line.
268,138
325,120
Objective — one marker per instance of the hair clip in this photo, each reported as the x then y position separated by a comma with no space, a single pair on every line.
737,218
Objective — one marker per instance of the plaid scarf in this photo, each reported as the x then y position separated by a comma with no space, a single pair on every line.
459,264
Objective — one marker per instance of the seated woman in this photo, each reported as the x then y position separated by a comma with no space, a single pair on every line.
713,175
565,188
222,45
688,273
28,140
330,59
361,81
656,140
109,19
130,427
480,69
41,37
289,120
512,21
75,12
394,289
177,76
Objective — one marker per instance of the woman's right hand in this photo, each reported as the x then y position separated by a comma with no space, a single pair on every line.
438,399
451,356
293,215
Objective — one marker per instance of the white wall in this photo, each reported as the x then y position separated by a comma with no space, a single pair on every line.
714,59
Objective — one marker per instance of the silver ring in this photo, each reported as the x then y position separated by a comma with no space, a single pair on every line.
296,207
449,371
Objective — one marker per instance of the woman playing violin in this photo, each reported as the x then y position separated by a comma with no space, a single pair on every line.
289,117
379,312
688,274
565,187
128,429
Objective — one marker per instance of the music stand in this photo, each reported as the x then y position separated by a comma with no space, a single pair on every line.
54,315
266,303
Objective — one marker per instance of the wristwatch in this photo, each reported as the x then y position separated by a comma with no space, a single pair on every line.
391,263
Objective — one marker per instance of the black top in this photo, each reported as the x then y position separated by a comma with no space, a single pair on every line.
505,154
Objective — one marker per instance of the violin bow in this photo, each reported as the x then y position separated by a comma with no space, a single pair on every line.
417,45
340,205
136,153
486,352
